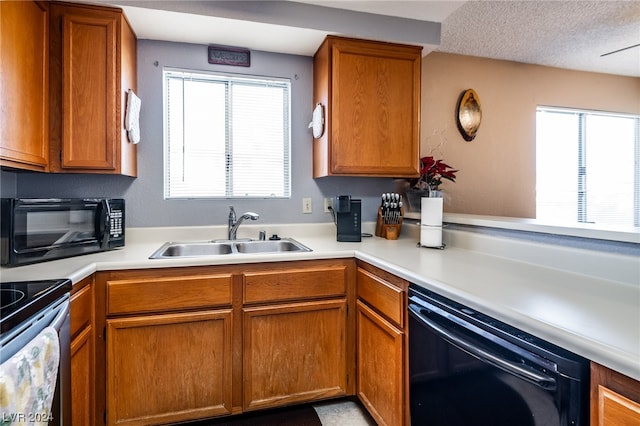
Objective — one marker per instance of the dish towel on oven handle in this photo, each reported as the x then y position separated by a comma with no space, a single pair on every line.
132,117
28,381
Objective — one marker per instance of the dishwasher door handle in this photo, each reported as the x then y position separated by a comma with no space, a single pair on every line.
519,370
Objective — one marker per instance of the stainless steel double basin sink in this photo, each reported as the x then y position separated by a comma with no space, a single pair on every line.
172,250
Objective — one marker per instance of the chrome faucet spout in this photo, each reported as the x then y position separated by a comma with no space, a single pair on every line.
235,224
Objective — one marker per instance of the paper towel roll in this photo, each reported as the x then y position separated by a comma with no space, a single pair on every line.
431,236
431,211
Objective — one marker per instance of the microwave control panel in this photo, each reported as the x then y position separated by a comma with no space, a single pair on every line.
116,223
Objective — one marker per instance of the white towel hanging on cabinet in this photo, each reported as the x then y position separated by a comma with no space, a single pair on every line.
132,117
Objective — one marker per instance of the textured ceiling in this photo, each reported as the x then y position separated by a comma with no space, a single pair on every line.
566,34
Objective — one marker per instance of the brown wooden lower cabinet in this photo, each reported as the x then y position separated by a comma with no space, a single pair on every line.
380,366
615,398
184,344
381,345
82,353
169,368
82,378
168,345
294,353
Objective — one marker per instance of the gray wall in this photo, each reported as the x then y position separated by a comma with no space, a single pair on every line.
8,184
144,194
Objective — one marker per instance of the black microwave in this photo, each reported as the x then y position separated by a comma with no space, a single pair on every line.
37,230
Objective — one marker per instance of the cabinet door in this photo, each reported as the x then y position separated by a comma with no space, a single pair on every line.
82,381
169,368
89,90
380,381
82,355
372,94
616,410
294,353
92,65
24,85
615,398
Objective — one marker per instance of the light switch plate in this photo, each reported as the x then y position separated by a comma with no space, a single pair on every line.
306,206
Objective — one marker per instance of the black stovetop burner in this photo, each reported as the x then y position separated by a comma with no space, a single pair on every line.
20,300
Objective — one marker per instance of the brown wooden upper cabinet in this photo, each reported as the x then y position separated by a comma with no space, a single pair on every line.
92,66
370,92
24,85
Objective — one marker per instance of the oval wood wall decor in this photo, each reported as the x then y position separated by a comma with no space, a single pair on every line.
468,114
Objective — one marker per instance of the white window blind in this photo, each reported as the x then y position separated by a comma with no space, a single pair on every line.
226,136
587,167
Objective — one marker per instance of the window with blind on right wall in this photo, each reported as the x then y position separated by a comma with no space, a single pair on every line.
587,167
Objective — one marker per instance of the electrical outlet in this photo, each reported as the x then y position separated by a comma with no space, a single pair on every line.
328,202
306,206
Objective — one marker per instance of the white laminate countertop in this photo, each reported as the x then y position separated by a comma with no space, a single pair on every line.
585,301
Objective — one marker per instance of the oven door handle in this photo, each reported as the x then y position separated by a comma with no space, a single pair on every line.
539,379
63,311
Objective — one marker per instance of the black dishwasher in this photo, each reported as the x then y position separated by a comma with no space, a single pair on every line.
469,369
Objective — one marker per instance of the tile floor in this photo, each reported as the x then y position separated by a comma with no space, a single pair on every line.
342,413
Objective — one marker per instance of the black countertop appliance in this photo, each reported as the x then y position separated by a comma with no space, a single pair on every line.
41,229
348,218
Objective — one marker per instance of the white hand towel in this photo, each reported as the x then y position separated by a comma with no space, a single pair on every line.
132,117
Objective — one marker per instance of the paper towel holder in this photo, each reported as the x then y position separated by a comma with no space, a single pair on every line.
431,213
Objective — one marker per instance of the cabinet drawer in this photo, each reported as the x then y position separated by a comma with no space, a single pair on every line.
382,296
81,308
168,294
292,284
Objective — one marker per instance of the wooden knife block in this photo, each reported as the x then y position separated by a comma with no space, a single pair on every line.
388,231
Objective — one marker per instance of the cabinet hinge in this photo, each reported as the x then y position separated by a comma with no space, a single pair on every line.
104,333
347,310
104,417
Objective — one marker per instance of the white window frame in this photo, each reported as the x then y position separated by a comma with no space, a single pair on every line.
582,133
227,162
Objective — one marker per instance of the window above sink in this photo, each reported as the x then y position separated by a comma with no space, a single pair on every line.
220,129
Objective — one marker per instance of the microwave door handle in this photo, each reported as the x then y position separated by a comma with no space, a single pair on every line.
530,375
103,223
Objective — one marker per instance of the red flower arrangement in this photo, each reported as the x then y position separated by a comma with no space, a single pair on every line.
432,172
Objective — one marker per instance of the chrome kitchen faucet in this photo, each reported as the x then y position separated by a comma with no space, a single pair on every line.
235,224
